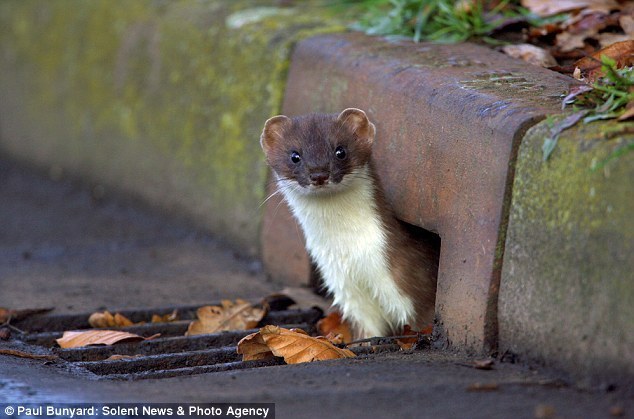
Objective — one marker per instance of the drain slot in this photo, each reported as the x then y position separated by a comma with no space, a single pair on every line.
171,354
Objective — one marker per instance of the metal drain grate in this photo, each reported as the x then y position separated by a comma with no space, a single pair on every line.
171,354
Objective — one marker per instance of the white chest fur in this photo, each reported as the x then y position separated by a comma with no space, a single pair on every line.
347,241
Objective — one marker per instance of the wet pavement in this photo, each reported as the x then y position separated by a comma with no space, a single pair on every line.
81,248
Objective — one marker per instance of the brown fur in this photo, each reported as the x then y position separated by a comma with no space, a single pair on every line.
413,259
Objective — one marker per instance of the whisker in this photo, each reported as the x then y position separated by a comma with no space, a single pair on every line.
277,191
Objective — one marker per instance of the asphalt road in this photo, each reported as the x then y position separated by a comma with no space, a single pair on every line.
79,248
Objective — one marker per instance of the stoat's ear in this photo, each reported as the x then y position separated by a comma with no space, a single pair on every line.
357,121
273,131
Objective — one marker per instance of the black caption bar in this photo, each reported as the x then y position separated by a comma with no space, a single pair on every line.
138,410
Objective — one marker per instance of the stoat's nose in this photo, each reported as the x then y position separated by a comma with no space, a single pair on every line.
319,178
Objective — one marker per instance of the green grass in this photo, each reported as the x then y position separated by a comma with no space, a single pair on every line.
432,20
610,94
607,99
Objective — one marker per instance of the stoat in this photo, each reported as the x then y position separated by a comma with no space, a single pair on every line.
379,276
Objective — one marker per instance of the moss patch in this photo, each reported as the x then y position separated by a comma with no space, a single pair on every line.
566,292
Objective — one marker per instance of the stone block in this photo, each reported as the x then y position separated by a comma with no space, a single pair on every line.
567,288
449,119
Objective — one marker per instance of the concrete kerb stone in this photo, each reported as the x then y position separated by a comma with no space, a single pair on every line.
449,120
163,101
567,288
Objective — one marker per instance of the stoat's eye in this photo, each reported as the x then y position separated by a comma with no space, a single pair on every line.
295,157
340,153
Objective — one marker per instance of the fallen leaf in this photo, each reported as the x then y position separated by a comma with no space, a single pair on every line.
295,346
607,38
252,348
76,339
627,24
408,342
165,318
567,41
549,7
531,54
7,314
106,319
335,338
240,315
427,330
334,324
580,30
621,52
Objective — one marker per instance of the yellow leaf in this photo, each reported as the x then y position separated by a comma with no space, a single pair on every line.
166,318
240,315
76,339
296,346
106,319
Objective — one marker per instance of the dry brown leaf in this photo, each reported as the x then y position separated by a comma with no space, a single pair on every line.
295,346
627,24
549,7
408,342
567,41
410,337
621,52
333,324
76,339
584,26
531,54
606,39
240,315
107,319
252,348
165,318
335,339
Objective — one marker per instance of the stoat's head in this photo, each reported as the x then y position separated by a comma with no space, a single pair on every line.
319,152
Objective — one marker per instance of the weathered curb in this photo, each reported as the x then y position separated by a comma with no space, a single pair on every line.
161,100
567,289
449,119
